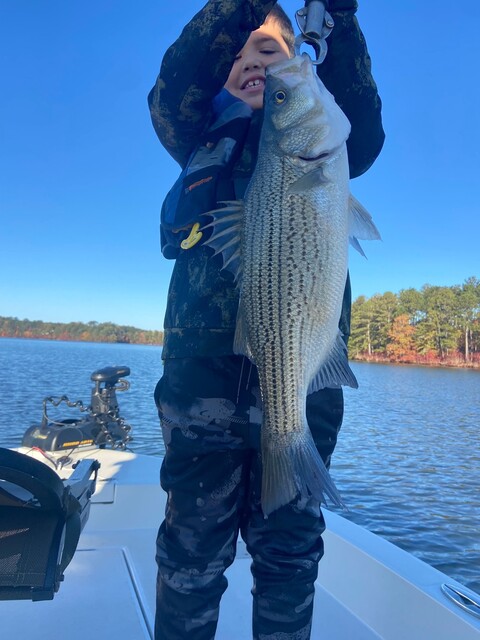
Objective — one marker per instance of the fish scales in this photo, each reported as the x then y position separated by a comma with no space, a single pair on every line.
291,266
286,294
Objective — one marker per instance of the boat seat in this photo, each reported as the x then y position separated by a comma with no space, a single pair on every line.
41,518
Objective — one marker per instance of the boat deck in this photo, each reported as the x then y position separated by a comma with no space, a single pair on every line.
367,589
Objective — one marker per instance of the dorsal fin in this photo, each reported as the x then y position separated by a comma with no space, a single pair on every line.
226,235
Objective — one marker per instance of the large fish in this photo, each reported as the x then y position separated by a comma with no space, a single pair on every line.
287,245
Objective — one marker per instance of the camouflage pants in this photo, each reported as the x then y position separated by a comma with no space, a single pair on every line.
210,413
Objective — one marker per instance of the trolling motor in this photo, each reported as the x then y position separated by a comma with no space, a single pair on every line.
315,25
101,426
41,515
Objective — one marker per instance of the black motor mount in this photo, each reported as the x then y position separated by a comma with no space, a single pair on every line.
101,425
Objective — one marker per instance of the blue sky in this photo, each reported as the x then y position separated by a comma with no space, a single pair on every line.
83,176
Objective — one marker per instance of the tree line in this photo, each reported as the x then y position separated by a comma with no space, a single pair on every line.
433,325
78,331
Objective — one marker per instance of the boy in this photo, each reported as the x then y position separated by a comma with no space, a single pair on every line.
208,398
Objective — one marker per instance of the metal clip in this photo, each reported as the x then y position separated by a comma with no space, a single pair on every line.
315,25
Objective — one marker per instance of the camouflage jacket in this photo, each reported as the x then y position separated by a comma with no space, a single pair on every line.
203,300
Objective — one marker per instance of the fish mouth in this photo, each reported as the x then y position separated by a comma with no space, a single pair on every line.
254,82
321,156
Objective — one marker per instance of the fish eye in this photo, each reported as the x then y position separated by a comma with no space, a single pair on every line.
280,96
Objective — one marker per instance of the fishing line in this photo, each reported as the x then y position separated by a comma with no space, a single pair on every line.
249,375
240,379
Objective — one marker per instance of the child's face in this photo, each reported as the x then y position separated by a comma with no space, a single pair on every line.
247,76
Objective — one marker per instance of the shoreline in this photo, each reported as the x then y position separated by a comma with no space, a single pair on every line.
377,359
439,364
45,339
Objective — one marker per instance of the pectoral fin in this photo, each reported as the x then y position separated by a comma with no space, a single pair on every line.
361,225
310,180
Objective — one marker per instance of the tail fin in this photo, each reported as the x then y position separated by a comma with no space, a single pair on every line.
293,470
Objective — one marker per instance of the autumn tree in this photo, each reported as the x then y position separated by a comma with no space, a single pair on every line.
401,342
384,309
77,331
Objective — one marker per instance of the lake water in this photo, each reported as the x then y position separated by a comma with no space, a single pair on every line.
407,462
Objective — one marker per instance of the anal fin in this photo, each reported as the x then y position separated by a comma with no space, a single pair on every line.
335,371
